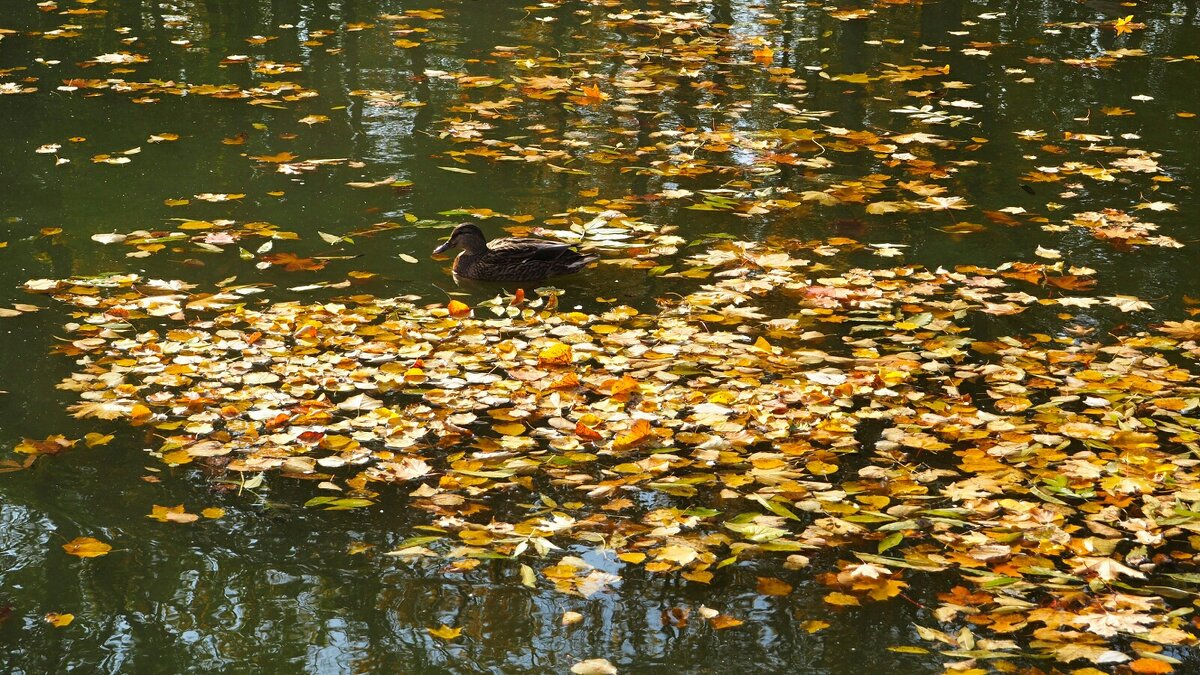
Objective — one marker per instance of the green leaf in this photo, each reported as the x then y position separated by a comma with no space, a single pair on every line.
775,507
676,489
416,541
890,541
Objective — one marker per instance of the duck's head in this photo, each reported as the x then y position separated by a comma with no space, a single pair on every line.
466,236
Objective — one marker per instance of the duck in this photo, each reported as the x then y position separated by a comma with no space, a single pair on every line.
511,258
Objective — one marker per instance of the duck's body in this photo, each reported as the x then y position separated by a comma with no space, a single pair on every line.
511,259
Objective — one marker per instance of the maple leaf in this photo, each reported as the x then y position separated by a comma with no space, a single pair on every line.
171,514
278,158
86,547
51,445
293,263
409,468
104,410
1105,568
1184,330
1127,303
943,203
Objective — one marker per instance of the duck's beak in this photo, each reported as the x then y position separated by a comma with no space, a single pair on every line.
442,249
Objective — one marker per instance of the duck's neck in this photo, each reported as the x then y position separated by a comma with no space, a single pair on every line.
473,247
464,258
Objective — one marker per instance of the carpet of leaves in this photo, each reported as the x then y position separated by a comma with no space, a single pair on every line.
1052,478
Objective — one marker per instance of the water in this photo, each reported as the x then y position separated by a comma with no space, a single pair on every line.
272,586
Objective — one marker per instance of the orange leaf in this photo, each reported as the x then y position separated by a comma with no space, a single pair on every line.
587,433
52,445
458,309
293,263
567,381
773,586
1146,666
639,432
625,385
592,94
279,158
723,621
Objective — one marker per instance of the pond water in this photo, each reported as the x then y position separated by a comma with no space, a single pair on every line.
454,103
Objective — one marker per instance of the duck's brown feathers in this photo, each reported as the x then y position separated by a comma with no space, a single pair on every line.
511,259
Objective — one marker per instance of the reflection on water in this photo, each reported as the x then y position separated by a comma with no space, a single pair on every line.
272,587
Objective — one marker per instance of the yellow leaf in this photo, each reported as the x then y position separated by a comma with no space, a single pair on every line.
773,586
92,439
854,78
814,625
880,208
59,620
445,632
557,354
458,309
842,600
819,468
171,514
278,158
509,429
213,512
177,457
86,547
905,649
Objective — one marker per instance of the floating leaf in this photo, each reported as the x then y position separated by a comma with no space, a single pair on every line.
86,547
59,620
445,632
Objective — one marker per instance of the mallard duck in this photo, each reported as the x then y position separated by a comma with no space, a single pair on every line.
511,259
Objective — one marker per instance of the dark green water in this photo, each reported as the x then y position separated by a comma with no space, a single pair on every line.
270,587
